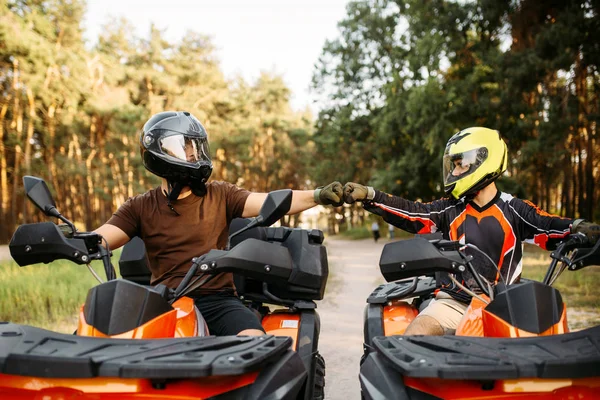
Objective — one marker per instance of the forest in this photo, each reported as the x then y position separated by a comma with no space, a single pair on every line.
399,79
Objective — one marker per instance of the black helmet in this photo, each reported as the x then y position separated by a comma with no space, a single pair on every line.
174,146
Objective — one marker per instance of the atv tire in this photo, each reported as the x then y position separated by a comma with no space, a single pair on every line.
318,392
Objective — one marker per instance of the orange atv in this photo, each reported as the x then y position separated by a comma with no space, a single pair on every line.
141,341
513,342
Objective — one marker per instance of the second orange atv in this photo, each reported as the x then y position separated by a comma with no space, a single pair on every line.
513,342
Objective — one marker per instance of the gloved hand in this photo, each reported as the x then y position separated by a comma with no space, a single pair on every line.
355,192
589,229
329,195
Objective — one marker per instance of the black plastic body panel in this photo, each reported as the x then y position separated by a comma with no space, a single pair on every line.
567,356
283,380
530,306
308,346
310,269
269,262
373,325
380,382
119,306
418,256
29,351
43,243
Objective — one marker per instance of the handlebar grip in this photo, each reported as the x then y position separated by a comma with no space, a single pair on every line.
579,238
66,230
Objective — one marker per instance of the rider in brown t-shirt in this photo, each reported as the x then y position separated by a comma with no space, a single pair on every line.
186,217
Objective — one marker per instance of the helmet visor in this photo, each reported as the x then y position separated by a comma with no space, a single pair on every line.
193,150
459,165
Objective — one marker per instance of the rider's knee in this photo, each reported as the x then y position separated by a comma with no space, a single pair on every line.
425,325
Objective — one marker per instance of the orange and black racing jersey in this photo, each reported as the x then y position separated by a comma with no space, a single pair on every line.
498,229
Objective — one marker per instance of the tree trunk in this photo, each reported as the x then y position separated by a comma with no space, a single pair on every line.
51,152
4,196
589,177
566,198
580,178
90,209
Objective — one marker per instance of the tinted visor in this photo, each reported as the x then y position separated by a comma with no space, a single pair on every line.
459,165
193,150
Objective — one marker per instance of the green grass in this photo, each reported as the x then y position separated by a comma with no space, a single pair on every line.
46,295
578,288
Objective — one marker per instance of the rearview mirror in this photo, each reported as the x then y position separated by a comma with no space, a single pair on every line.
39,194
276,205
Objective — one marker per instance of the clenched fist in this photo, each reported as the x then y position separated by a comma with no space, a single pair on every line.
354,192
330,195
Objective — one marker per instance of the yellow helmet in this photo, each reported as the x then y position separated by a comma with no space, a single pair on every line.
473,159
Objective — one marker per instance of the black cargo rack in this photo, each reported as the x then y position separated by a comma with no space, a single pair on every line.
571,355
30,351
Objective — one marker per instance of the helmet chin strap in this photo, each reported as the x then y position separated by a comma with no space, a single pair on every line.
173,194
198,188
471,196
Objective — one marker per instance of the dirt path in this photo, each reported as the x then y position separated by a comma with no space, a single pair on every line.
4,253
353,274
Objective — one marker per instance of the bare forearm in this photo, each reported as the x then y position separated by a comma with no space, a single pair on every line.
113,235
302,200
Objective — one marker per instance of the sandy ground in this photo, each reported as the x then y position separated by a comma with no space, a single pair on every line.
4,253
353,274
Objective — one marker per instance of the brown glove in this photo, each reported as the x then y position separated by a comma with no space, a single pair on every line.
589,229
354,192
329,195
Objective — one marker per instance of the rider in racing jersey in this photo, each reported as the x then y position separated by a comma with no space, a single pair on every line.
493,223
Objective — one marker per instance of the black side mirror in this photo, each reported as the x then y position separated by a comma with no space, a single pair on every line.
39,194
276,205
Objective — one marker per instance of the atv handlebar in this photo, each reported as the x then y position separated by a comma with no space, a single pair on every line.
419,256
45,242
576,252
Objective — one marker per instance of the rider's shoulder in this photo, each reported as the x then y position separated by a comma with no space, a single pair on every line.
221,186
146,196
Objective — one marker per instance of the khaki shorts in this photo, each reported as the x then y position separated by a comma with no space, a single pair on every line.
446,311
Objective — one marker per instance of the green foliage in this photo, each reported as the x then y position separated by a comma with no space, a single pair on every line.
72,114
45,295
403,76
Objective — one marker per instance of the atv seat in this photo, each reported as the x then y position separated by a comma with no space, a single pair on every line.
133,263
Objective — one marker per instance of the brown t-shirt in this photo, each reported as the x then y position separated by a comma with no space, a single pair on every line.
173,240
